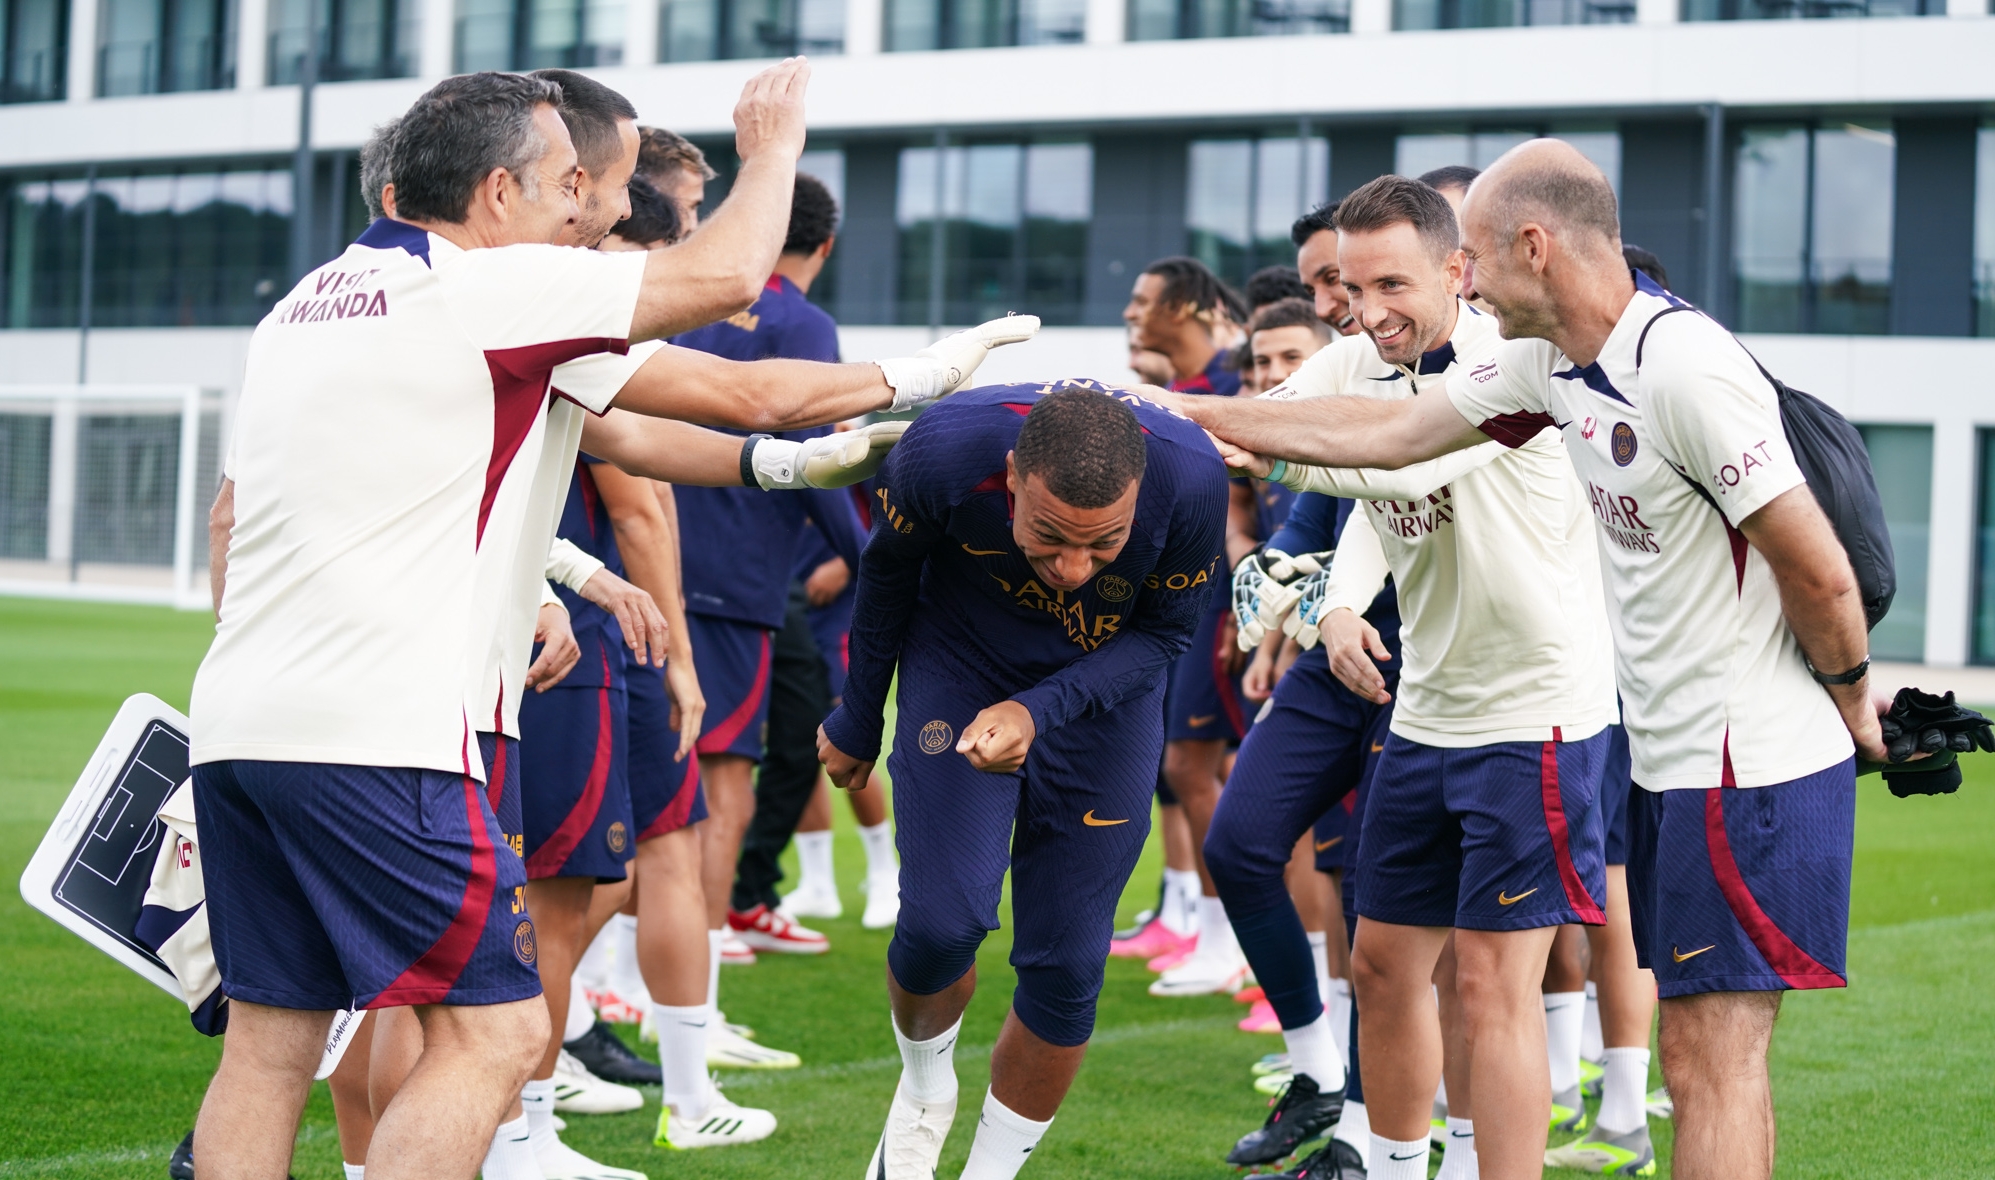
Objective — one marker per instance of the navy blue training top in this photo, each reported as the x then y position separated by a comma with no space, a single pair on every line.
738,545
942,564
585,522
1216,379
1315,521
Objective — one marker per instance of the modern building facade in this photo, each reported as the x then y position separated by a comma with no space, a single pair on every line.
1820,174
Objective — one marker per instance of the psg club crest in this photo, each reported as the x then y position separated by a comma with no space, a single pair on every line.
936,737
523,948
1112,588
617,836
1623,444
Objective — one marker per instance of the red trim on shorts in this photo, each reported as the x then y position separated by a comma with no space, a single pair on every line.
430,978
547,860
1796,967
719,738
1222,684
1555,823
495,778
674,816
521,378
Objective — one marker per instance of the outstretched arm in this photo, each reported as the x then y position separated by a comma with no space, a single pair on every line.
664,449
1335,431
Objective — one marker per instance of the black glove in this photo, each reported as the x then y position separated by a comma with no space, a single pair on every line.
1937,775
1921,723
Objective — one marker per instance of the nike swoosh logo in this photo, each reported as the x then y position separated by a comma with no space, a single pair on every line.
982,552
1393,1156
1208,719
1092,822
690,1024
1693,954
1378,747
1503,898
1332,842
1459,1135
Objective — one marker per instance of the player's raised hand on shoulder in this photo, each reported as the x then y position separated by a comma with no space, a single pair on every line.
770,114
558,649
844,771
1352,645
1241,460
998,738
642,622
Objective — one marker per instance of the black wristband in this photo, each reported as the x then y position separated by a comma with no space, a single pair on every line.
1850,677
748,479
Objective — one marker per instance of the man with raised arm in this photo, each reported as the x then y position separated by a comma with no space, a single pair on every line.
1738,628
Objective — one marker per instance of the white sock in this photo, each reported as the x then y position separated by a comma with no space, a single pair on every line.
1004,1142
594,969
1355,1128
626,980
509,1158
1319,952
814,872
537,1099
713,971
682,1054
1565,1013
354,1171
1458,1159
1180,912
581,1017
1337,1002
1592,1045
1394,1160
1624,1091
878,842
1312,1050
1215,933
928,1068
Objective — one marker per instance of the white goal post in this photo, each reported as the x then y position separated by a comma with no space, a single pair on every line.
104,491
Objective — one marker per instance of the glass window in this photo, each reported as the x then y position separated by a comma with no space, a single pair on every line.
1486,14
24,462
34,49
1164,20
1011,222
1807,9
1984,233
914,25
357,39
719,30
158,46
1416,155
538,34
1243,194
1902,457
1811,229
827,165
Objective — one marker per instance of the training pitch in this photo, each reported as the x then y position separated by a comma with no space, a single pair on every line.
101,1074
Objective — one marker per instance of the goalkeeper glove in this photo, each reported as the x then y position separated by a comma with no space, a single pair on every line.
1921,723
946,365
1283,586
827,461
1310,602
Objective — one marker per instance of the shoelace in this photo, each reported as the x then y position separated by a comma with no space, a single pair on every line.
915,1146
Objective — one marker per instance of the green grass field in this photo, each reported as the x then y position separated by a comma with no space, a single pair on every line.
100,1073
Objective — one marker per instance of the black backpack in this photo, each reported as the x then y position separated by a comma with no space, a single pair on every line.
1836,465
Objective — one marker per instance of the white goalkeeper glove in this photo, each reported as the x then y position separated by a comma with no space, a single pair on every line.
828,461
946,365
1303,623
1281,586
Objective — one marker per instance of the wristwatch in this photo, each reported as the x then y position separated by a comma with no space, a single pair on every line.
1850,677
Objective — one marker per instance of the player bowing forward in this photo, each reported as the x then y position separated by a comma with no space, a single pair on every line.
1039,556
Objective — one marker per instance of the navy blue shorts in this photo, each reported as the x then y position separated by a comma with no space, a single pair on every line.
1303,759
1743,890
1498,837
665,795
1204,702
1331,830
574,777
1614,787
502,787
734,674
330,886
1069,825
831,626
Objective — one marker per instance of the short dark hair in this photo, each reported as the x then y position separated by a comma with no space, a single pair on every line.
813,216
1271,284
374,175
1459,176
1316,221
1390,200
592,111
1189,282
1646,262
661,153
457,133
1288,313
1086,447
652,219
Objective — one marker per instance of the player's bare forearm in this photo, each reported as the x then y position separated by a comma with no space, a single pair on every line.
1821,601
662,449
1335,431
221,522
644,539
770,395
720,268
